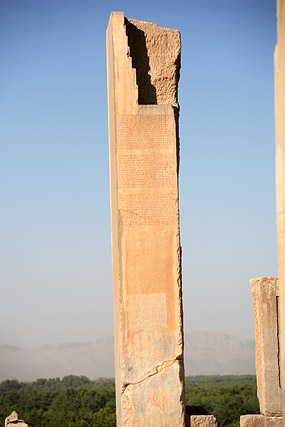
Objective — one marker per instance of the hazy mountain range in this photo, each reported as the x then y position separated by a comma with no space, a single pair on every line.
205,354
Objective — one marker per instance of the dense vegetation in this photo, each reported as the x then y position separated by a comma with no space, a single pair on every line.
79,402
226,397
70,402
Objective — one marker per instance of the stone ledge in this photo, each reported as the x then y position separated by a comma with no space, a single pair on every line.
260,421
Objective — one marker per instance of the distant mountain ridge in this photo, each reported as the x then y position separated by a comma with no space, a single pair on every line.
206,353
5,348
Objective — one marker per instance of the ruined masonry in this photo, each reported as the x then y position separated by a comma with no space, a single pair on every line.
265,297
13,421
143,63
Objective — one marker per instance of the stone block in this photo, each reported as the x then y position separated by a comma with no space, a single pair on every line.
203,421
260,421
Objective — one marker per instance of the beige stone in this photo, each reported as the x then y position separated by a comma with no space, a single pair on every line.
279,66
143,62
162,48
260,421
203,421
13,420
252,421
265,296
273,421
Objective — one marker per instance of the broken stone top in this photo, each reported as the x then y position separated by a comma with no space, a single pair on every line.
155,53
13,419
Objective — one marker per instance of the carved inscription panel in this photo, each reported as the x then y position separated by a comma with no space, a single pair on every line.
146,170
145,132
147,312
148,209
138,170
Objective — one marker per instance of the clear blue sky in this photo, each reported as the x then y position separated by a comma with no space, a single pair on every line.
55,253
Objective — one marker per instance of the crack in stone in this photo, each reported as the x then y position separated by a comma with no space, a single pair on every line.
155,371
278,342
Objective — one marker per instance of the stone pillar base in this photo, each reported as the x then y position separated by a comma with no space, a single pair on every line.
260,421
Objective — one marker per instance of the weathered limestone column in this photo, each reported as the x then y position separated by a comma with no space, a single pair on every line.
280,177
143,62
265,296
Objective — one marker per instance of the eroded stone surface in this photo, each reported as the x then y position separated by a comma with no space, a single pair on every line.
143,71
157,56
260,421
252,421
13,420
203,421
265,295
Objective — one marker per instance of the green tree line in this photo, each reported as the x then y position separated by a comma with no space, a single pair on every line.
226,397
76,401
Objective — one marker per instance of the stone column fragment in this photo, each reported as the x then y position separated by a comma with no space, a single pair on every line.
265,296
143,62
12,420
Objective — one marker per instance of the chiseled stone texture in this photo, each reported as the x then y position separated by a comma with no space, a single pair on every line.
260,421
265,295
203,421
13,420
143,62
163,50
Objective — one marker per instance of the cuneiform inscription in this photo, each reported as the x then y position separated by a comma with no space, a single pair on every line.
142,131
147,311
148,209
144,170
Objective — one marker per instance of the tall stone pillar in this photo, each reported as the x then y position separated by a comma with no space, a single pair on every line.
265,297
143,62
280,177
